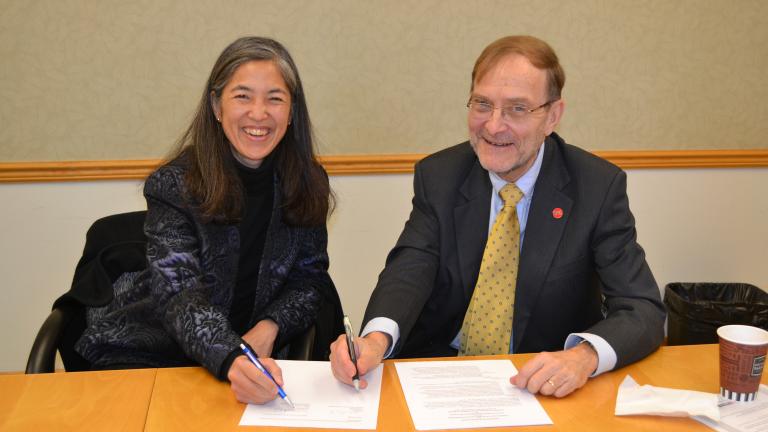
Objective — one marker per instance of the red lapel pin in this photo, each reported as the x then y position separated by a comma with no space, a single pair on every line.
557,213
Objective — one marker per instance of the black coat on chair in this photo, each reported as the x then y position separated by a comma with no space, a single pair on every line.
114,245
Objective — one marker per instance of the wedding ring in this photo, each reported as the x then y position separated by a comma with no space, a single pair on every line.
551,383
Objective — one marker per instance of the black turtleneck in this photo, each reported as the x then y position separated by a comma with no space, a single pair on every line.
259,189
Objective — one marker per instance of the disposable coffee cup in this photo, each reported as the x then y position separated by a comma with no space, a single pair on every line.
742,357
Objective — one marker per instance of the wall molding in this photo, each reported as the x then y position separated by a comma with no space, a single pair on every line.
633,159
28,172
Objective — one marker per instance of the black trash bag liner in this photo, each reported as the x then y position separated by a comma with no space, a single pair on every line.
696,310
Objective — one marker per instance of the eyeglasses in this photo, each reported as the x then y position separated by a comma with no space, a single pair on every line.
483,110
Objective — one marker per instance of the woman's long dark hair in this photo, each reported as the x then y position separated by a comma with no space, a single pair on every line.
212,180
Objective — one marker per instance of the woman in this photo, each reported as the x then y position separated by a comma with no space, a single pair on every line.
236,233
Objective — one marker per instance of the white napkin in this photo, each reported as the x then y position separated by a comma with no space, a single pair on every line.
634,399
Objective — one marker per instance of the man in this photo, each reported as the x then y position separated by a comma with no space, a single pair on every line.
561,274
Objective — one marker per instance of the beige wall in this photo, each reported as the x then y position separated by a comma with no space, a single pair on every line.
695,225
118,80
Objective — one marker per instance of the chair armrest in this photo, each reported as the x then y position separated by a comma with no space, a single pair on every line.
301,347
42,356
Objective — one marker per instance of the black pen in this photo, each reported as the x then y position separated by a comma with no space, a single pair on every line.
248,353
352,355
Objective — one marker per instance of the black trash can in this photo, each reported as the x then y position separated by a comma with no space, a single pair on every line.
696,310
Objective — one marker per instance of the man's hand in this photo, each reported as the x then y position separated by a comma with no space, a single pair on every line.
557,373
262,337
249,384
370,352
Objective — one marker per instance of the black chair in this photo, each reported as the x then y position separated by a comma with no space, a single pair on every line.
115,245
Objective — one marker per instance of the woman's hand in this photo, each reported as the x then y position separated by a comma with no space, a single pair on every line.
262,337
249,384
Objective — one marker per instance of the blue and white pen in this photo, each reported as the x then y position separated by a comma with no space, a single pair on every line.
248,353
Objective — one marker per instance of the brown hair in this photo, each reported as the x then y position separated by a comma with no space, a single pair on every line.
212,180
538,52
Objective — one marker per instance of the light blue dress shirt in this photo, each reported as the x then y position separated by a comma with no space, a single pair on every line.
606,354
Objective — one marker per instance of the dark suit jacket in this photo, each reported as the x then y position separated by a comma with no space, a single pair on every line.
583,272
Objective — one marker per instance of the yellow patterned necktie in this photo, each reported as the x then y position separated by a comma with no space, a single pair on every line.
488,322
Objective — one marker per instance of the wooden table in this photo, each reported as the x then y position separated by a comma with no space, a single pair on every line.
76,401
190,399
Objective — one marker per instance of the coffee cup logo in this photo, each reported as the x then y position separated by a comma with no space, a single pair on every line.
757,366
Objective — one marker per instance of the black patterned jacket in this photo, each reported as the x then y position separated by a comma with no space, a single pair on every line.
176,311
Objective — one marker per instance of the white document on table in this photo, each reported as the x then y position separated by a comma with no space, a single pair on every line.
467,394
741,416
321,401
